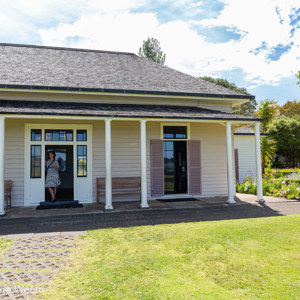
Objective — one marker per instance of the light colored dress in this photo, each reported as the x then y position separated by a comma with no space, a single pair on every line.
52,178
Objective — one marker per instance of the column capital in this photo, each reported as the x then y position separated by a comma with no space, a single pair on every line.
2,117
108,120
143,121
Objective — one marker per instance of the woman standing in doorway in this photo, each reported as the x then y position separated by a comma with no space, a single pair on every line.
52,178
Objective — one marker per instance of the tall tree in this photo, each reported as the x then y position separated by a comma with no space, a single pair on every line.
290,108
267,110
286,132
298,76
152,51
246,108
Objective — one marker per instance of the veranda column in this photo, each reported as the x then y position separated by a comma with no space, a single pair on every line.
144,202
229,164
108,187
2,135
258,164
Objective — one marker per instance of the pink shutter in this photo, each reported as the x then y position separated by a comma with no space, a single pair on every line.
237,169
195,184
157,167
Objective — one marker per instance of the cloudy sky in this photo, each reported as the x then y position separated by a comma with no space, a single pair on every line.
253,43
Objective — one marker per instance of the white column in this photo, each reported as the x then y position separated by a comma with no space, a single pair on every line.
2,138
229,164
144,202
258,164
108,187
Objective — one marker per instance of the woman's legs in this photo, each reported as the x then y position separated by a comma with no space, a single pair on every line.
54,192
51,191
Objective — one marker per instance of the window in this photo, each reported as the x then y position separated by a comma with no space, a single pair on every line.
58,135
175,132
82,161
81,136
36,134
35,161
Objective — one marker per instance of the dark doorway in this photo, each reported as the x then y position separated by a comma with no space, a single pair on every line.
175,166
64,155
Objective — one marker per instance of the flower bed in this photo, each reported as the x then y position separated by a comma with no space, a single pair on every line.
279,183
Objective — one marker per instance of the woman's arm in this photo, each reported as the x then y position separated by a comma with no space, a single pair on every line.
56,166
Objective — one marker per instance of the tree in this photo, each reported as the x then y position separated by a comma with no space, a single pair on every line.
267,110
298,76
151,50
268,151
286,132
290,109
246,108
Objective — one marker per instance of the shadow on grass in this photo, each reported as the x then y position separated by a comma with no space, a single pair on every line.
81,222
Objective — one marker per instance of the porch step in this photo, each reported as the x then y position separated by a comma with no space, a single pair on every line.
59,204
177,199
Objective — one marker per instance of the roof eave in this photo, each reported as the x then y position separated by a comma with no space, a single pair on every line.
17,87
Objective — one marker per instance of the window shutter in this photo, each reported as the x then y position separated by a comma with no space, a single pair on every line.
236,160
157,167
195,180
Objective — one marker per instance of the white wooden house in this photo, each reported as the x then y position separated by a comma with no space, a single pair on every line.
113,114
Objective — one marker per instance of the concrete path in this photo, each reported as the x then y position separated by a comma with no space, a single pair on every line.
31,261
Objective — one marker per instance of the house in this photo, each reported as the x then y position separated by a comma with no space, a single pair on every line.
113,114
244,153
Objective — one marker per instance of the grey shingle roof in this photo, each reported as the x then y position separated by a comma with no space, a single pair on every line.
114,110
25,66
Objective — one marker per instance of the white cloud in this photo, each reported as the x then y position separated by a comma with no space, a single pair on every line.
111,25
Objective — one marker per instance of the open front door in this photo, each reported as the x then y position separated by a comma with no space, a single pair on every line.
64,156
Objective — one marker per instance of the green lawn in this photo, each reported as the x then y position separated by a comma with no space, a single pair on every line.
235,259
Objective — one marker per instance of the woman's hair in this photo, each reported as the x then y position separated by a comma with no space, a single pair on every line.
52,153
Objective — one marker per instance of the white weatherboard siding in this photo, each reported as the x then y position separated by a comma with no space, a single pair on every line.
14,159
246,146
213,157
125,154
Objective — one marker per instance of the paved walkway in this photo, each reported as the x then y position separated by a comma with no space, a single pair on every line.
31,261
60,220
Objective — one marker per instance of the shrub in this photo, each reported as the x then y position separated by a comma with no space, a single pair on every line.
276,182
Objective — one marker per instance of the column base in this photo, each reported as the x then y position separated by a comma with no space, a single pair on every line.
109,207
144,206
230,201
261,201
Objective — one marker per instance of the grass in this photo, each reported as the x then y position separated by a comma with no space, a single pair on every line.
235,259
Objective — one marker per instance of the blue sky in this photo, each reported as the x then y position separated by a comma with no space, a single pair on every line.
252,43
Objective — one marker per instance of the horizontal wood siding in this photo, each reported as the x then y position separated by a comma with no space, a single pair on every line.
213,157
246,147
14,159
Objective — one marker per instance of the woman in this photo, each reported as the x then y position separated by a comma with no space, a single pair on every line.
52,178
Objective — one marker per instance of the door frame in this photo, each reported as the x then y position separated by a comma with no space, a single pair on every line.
78,182
188,137
55,146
